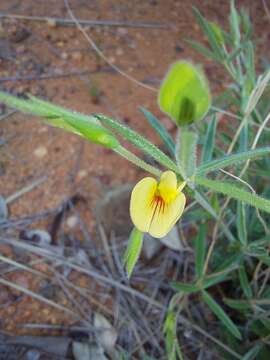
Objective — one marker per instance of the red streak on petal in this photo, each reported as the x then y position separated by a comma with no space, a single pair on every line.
159,206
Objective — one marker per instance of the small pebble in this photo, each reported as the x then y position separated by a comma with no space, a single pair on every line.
60,43
64,56
119,52
111,59
51,23
43,129
72,221
77,55
82,174
122,31
40,152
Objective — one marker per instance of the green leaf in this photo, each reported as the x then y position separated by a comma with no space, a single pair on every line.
186,152
232,160
24,105
205,205
203,50
234,22
220,313
241,305
218,32
246,23
209,143
250,63
184,93
256,95
185,288
160,129
244,282
243,139
252,353
233,55
231,261
139,141
200,248
234,192
215,203
169,330
241,223
215,279
210,34
197,286
74,122
133,250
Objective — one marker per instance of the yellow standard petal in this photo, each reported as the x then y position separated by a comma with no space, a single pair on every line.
167,186
142,195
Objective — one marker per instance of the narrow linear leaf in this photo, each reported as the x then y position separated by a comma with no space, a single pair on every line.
215,279
169,329
243,138
138,140
244,282
207,29
241,223
87,126
61,111
220,313
231,261
236,52
65,119
232,160
256,94
246,23
234,22
250,65
184,287
200,248
23,105
207,282
133,250
208,147
242,305
252,353
203,50
205,205
234,192
160,129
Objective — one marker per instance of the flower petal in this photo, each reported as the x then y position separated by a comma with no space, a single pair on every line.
168,186
163,221
141,211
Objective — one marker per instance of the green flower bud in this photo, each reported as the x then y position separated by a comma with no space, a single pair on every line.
93,132
184,93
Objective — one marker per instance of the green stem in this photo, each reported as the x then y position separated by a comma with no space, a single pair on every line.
137,161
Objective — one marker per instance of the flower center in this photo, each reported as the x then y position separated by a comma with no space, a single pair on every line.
158,204
166,193
167,187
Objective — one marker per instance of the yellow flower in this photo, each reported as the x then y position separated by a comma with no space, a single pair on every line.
156,207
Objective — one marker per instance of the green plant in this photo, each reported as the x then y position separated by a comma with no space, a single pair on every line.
231,248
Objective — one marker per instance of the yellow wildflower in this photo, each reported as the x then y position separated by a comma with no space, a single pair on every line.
156,207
